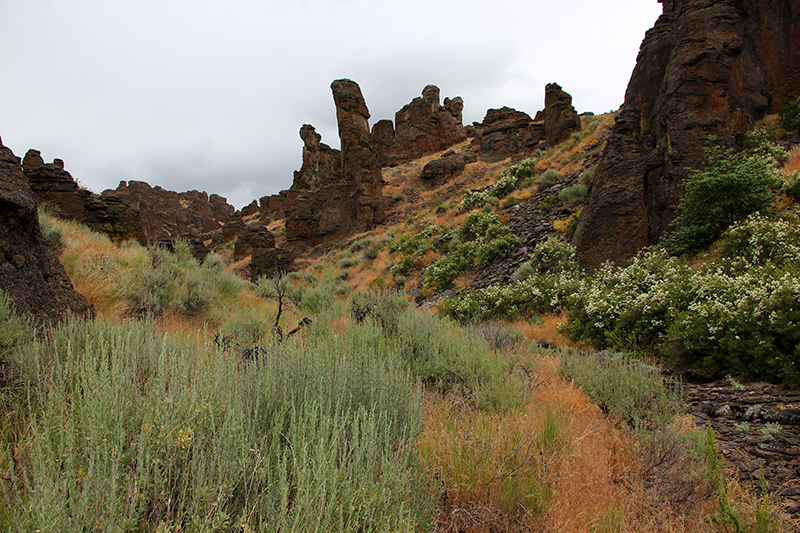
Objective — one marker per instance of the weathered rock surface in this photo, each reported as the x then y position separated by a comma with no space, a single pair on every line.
169,214
335,193
30,272
424,126
560,118
757,427
56,188
506,132
438,171
707,67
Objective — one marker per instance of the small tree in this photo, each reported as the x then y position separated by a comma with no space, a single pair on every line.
281,289
732,187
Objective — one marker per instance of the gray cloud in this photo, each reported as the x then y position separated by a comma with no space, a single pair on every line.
211,95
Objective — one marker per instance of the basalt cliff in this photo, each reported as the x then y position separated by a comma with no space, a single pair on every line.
707,67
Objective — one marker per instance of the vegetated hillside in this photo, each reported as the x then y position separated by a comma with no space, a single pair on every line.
324,400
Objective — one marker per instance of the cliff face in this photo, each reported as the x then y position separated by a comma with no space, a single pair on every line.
30,272
707,67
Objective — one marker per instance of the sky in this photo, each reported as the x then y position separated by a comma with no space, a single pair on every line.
211,94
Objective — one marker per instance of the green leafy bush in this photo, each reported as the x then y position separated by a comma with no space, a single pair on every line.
546,283
732,187
790,115
484,238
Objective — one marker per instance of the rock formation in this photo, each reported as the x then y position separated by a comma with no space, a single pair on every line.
438,171
30,273
506,132
167,214
707,67
335,193
56,188
560,118
421,127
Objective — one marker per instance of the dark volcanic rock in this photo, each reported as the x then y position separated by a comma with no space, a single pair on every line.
438,171
30,273
335,194
560,118
506,132
705,68
56,188
53,186
421,127
168,214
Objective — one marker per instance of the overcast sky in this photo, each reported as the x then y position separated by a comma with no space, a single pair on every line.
211,95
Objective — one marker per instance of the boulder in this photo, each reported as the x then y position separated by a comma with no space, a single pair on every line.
707,67
439,171
30,272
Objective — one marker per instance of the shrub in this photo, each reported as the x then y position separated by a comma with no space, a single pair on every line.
546,282
484,238
349,262
732,187
790,115
626,388
549,177
137,431
574,194
14,329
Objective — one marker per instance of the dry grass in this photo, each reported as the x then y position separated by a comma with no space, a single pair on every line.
558,464
793,163
546,328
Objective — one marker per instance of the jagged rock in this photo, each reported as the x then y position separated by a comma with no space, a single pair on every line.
336,193
169,214
560,118
706,67
424,126
56,188
30,273
506,132
251,237
250,209
53,186
438,171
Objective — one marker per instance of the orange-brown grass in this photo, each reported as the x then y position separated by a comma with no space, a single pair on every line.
793,163
547,328
557,464
84,257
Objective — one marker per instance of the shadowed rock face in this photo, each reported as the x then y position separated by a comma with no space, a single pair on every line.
335,193
707,67
560,118
30,272
422,127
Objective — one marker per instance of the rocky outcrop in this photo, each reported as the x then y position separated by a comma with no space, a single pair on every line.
438,171
421,127
336,193
506,132
58,190
168,214
256,241
707,67
30,273
757,427
560,118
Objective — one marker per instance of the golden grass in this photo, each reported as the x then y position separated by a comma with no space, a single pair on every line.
546,328
793,163
557,464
